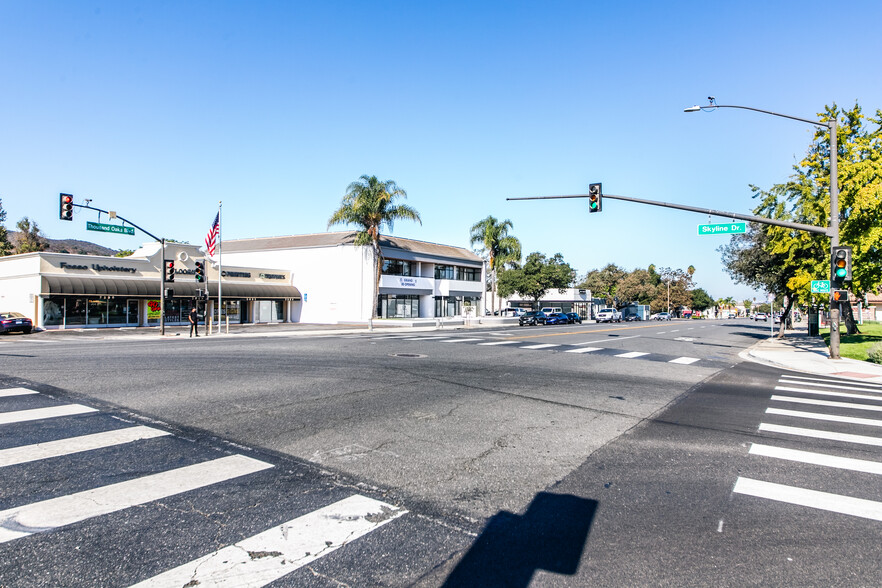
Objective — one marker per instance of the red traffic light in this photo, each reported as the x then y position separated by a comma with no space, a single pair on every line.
65,207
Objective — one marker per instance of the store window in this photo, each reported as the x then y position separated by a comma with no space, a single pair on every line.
398,306
398,267
445,272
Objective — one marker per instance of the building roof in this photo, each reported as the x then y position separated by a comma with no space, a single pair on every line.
348,238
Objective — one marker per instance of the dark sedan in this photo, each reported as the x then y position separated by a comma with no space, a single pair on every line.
557,318
10,322
534,317
574,317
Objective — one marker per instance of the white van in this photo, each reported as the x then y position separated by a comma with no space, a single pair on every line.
549,309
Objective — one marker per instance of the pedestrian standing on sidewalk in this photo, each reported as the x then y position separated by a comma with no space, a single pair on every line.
194,321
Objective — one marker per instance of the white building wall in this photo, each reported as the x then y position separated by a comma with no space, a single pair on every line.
20,285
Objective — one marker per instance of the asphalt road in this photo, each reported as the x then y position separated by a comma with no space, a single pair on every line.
635,430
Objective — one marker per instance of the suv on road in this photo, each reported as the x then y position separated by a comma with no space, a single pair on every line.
608,315
534,317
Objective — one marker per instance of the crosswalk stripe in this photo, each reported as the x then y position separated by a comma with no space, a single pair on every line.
856,386
540,346
817,434
33,414
6,392
268,556
685,360
427,338
833,403
65,510
499,343
583,350
827,393
455,340
632,354
824,417
29,453
858,507
822,459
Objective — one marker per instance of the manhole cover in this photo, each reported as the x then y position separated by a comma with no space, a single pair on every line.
407,355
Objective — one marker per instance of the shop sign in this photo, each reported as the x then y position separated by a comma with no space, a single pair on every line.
154,309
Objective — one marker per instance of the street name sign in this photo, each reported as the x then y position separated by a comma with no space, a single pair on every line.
820,286
722,229
90,226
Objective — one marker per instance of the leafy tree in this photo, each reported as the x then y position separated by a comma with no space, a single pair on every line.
29,238
5,245
748,303
640,286
123,253
674,290
498,247
604,283
370,204
701,300
538,275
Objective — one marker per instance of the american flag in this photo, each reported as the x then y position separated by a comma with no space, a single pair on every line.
211,237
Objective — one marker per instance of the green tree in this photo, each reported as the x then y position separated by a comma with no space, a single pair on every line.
498,248
674,289
370,204
604,283
640,286
123,253
701,300
29,237
5,245
537,276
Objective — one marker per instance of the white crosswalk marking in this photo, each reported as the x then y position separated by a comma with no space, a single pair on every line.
831,403
28,453
270,555
827,393
684,360
822,459
817,434
65,510
824,417
459,340
857,507
33,414
632,354
583,350
540,346
6,392
499,343
839,384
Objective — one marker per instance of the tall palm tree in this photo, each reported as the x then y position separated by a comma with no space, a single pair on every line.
498,246
370,204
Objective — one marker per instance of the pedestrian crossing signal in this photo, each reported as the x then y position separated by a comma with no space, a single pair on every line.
595,198
840,295
200,271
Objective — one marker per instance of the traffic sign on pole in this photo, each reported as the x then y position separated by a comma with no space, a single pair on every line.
820,286
722,229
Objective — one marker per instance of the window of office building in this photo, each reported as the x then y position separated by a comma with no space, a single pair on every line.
452,305
445,272
398,306
398,267
468,274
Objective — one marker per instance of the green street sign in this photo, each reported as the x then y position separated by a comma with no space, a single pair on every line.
90,226
820,286
722,229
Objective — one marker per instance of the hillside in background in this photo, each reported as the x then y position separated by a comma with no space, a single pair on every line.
69,246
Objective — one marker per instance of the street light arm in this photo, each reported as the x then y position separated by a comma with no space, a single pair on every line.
805,120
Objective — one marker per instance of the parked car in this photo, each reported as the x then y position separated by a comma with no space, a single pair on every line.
550,309
557,318
663,316
632,317
608,315
574,317
732,315
533,317
760,316
10,322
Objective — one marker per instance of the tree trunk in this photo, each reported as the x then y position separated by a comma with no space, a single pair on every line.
377,271
851,327
784,316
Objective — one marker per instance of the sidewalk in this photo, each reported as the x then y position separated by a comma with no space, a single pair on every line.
799,352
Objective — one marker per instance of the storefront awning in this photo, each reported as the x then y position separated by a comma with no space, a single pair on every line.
72,285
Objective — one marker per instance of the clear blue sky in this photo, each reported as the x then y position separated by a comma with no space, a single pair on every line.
158,110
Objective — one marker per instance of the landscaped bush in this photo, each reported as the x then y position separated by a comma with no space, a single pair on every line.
874,353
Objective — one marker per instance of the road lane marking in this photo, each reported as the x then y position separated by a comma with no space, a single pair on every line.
7,392
821,459
272,554
675,331
605,340
33,414
455,340
816,434
427,338
583,350
827,393
38,451
858,507
500,343
540,346
684,360
833,403
829,384
825,417
37,517
632,354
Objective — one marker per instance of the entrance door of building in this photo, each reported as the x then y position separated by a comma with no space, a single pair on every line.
132,312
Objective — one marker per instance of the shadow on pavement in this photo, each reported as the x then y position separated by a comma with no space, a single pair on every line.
550,536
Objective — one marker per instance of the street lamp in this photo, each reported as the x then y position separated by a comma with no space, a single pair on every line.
833,229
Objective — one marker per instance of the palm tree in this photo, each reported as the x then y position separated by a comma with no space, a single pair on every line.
370,204
498,247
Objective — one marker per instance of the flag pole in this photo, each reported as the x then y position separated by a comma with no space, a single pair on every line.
220,268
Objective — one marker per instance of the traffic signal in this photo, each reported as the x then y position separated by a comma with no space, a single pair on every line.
65,207
840,262
200,271
840,295
595,198
169,270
